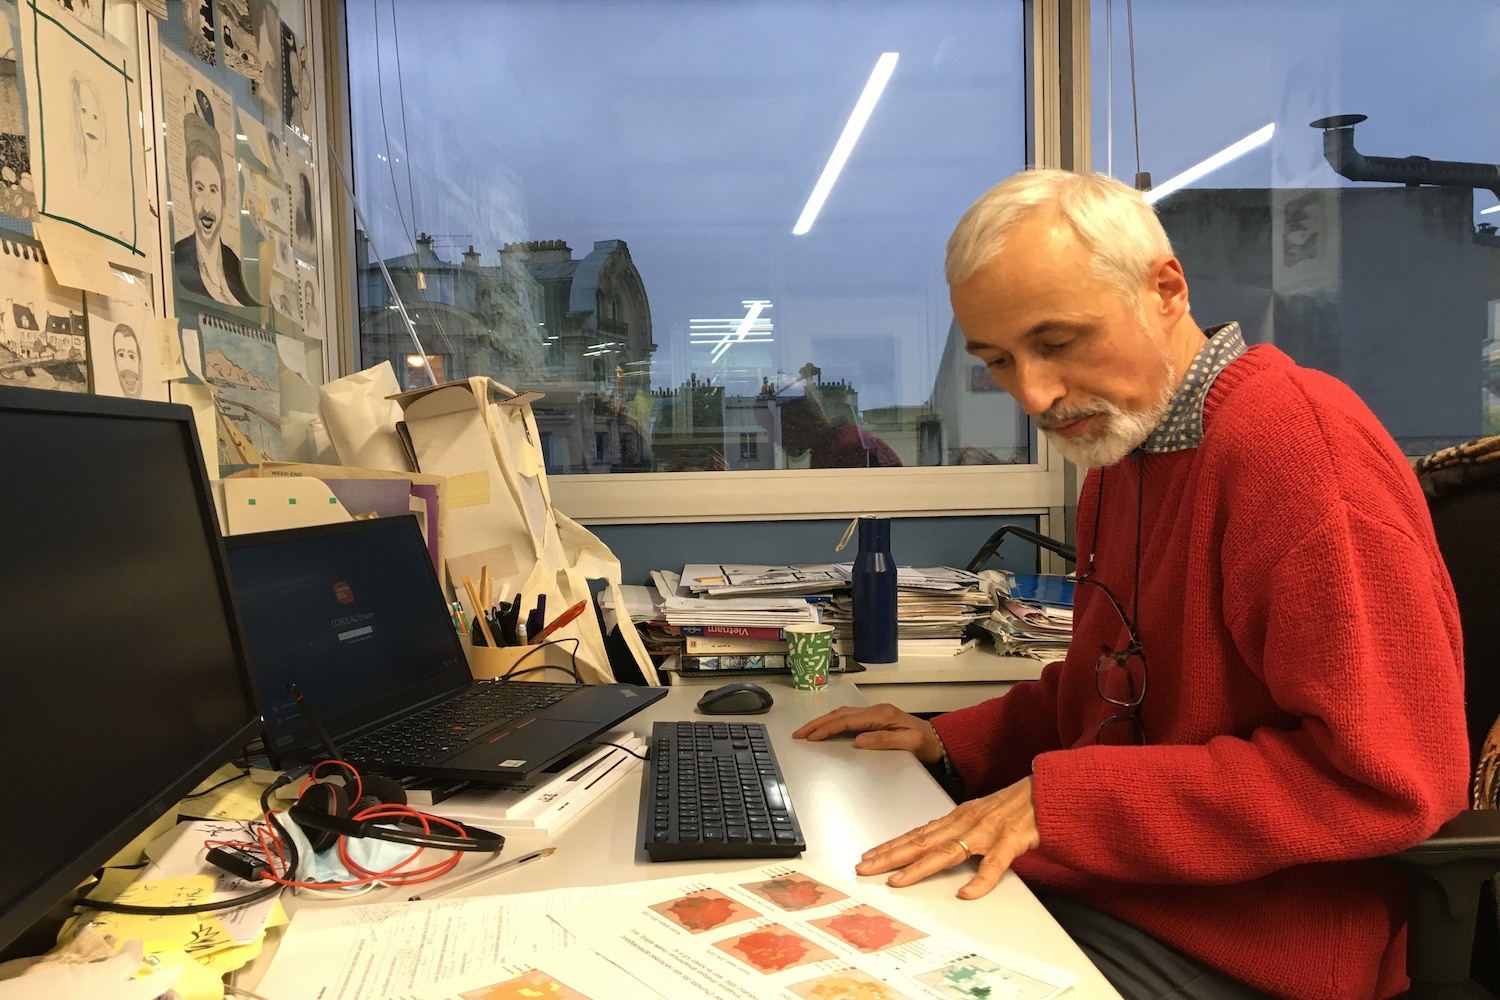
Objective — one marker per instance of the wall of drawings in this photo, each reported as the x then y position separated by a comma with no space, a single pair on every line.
161,182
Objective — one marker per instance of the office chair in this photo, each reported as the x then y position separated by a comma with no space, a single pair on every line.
1449,870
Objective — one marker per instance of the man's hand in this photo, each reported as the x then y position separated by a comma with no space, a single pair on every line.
881,727
1000,827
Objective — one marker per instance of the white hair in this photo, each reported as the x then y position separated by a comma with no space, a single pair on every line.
1111,220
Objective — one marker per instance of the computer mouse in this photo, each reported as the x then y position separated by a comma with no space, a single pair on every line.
736,699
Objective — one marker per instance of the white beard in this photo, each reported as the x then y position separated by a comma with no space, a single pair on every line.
1122,433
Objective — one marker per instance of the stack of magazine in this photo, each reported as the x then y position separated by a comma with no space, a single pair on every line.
934,607
1033,614
728,619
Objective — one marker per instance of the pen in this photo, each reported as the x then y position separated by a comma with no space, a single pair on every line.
558,622
481,875
536,618
484,626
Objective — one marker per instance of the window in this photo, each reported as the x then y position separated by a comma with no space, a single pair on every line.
598,201
1391,288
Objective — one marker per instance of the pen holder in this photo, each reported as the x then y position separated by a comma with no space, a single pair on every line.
489,662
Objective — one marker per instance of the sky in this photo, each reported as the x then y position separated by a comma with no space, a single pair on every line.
694,131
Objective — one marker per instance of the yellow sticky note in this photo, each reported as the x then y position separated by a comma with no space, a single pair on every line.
238,798
185,890
278,916
472,489
223,962
210,936
158,933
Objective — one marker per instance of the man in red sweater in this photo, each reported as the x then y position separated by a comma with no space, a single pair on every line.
1279,699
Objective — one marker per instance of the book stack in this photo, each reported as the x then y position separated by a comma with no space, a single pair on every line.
728,619
725,650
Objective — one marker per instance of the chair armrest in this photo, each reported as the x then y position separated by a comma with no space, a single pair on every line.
1473,835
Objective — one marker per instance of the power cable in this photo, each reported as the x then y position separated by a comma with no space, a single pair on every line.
407,229
411,197
1109,87
384,131
1135,111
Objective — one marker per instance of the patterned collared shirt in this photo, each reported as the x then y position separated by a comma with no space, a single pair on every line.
1181,427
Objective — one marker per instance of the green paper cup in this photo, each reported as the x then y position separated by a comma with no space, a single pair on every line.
809,648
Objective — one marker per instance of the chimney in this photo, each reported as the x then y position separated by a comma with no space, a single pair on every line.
1339,151
471,258
539,251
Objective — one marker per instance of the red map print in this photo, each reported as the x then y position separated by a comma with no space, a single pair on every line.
868,929
704,910
796,892
772,949
533,985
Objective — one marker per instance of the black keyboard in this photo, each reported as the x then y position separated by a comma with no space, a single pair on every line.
714,790
433,734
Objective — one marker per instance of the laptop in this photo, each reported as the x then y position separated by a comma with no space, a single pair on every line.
353,617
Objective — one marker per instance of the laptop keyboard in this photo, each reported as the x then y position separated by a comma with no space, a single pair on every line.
429,736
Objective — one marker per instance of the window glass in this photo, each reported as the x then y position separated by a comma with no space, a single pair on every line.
598,200
1390,286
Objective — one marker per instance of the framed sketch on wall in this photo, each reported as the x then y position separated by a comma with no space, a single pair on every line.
204,178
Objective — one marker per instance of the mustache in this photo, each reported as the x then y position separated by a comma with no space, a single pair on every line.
1060,414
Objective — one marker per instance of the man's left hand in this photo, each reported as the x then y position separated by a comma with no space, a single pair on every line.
997,828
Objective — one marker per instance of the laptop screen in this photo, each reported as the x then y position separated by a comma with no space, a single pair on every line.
351,614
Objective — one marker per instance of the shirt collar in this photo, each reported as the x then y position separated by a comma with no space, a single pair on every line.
1181,426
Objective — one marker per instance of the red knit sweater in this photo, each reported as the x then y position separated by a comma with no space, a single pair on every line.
1305,706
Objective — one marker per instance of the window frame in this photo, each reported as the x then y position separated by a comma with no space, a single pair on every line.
1054,47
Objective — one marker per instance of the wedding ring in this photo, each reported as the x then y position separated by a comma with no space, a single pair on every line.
967,852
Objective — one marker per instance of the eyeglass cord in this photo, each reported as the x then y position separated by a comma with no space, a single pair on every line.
1140,497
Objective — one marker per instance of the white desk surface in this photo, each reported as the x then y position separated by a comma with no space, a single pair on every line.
972,666
922,683
846,800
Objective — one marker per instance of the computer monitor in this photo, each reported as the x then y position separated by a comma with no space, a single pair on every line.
123,680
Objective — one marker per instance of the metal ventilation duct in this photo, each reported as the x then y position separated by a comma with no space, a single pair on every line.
1339,151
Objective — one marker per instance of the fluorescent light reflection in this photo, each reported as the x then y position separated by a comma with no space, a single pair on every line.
1487,211
753,309
1228,154
863,108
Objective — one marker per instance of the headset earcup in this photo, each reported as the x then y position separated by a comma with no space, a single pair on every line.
322,798
379,790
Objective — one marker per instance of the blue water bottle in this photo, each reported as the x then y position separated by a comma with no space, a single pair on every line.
874,587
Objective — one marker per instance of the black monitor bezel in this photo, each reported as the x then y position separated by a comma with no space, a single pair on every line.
44,896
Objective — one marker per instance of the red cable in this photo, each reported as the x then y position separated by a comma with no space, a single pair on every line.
275,854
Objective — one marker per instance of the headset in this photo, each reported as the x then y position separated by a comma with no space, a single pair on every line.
324,812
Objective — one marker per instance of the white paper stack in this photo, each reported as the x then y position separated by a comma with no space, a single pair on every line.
679,608
549,803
